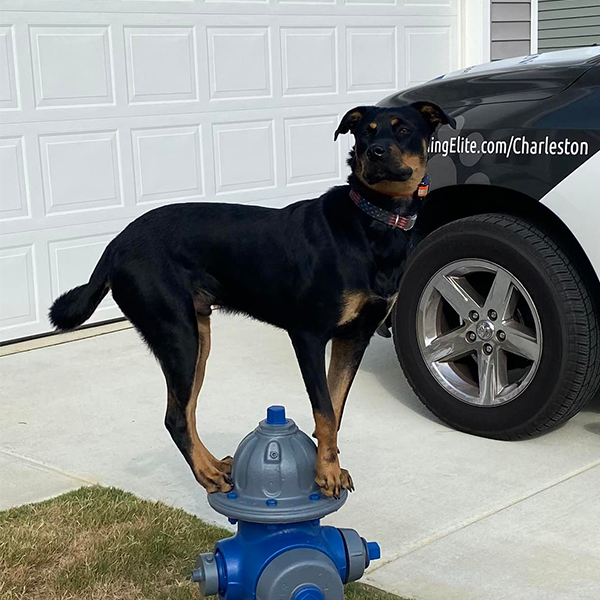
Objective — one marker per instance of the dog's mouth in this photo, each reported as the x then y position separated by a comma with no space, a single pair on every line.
378,174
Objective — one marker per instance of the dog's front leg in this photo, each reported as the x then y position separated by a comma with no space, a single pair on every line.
310,351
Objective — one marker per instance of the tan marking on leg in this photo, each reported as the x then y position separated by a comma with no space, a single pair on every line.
326,433
340,375
209,471
352,304
331,478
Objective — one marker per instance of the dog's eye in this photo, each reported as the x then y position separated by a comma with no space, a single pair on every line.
403,130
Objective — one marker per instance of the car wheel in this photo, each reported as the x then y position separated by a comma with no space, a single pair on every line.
495,329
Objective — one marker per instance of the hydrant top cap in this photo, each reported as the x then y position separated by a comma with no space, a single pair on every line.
273,473
276,415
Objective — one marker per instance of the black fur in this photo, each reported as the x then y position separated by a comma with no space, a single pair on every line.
291,267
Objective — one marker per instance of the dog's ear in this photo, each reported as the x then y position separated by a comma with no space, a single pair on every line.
434,115
350,120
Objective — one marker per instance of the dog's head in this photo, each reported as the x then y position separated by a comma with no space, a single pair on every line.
390,153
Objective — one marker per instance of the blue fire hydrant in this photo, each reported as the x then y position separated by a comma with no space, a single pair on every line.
280,550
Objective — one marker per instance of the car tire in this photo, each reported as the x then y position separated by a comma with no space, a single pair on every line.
566,373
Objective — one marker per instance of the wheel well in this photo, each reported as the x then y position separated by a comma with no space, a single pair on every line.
456,202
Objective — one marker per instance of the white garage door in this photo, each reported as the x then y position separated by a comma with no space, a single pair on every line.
110,108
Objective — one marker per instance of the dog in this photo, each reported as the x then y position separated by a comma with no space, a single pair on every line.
326,269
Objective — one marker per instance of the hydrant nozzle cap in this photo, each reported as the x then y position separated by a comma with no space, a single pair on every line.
276,415
309,593
373,551
206,574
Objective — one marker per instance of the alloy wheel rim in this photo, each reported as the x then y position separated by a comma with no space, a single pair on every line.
479,332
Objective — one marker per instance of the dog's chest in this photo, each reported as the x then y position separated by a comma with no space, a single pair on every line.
355,303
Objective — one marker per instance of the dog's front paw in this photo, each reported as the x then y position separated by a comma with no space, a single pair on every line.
214,480
332,479
224,465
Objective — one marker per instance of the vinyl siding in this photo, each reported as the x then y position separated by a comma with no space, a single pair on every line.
568,24
511,28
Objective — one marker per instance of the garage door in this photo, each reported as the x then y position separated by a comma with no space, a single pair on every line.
568,24
111,108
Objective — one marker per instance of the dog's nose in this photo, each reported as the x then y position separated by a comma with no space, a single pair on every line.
376,152
404,174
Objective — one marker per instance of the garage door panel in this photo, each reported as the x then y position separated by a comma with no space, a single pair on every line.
309,60
365,8
161,64
14,193
19,287
25,299
81,172
323,162
72,66
428,53
372,54
168,164
9,95
244,156
239,61
112,108
356,60
72,260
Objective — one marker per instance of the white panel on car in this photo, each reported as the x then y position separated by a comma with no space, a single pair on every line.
575,201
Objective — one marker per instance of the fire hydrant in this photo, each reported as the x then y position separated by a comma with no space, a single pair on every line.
280,550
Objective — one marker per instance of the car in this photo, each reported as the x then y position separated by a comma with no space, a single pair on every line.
496,325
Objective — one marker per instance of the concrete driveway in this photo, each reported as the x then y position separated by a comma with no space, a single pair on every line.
458,517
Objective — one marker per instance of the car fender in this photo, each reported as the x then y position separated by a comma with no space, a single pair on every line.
576,202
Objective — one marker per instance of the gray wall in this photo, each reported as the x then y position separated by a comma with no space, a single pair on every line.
568,24
511,28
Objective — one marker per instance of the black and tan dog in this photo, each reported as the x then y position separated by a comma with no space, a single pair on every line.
323,269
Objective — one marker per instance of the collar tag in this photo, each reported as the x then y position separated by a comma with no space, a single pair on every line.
423,188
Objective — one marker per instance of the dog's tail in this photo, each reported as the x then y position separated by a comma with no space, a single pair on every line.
77,305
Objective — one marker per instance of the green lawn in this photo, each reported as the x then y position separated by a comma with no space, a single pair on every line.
105,544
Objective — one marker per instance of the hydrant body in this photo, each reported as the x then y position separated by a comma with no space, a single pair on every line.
280,550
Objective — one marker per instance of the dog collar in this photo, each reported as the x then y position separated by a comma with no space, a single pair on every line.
391,219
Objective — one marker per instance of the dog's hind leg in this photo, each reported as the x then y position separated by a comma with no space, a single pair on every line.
180,420
165,315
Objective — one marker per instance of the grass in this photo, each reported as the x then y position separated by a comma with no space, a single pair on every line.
105,544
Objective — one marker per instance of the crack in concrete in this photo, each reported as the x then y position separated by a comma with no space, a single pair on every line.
45,466
477,519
